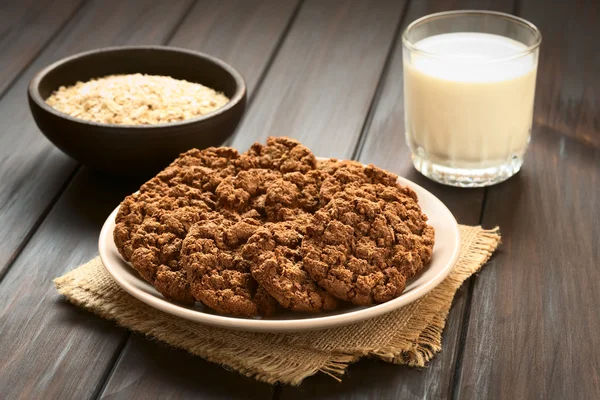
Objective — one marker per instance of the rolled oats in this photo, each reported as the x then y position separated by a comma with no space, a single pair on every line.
136,99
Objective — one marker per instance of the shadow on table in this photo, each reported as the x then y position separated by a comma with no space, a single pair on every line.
93,195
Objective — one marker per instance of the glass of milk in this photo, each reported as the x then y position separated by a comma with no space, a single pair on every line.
469,85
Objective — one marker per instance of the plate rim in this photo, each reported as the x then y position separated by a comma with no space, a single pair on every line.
288,325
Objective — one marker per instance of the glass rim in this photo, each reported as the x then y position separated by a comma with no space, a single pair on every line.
536,32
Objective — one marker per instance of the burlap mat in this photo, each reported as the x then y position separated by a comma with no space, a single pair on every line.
410,335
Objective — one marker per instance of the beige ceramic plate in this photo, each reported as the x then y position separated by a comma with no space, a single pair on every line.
445,255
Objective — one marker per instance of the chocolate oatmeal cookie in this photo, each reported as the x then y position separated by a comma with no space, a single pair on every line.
152,223
277,266
281,174
293,191
190,181
199,169
156,246
246,190
337,174
280,154
139,207
218,275
366,243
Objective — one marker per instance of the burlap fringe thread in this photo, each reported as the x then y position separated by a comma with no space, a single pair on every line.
410,335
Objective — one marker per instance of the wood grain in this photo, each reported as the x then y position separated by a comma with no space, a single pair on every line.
26,26
384,145
149,370
242,33
50,349
321,84
534,321
533,326
32,171
568,85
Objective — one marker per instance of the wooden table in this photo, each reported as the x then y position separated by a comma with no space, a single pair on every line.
330,74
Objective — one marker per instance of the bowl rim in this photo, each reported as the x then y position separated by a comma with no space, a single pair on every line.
238,96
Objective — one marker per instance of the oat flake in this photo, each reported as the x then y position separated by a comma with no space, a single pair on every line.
136,99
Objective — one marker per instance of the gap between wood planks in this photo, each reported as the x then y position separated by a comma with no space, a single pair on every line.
464,326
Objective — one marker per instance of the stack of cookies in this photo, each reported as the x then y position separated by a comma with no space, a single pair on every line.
248,234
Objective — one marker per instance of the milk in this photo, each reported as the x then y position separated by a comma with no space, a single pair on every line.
464,108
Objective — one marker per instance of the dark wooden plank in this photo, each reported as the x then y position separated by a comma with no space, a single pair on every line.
150,371
385,146
532,330
534,321
568,84
25,28
50,349
240,32
321,84
32,171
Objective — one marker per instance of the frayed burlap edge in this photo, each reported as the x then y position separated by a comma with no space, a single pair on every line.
414,336
256,355
423,339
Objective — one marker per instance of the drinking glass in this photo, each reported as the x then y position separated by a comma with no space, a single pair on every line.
469,85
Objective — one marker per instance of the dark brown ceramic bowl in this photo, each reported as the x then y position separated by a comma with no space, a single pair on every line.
136,149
